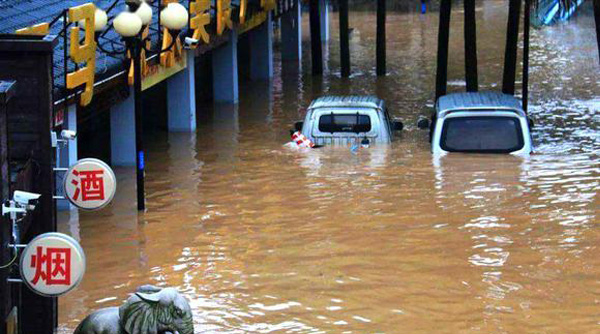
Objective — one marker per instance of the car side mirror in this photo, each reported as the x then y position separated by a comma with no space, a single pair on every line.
298,126
398,125
423,123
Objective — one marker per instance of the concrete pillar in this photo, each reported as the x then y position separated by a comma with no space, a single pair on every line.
291,33
67,153
122,132
225,71
261,50
324,12
181,98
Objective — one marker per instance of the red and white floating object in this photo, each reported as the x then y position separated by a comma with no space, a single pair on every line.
301,140
52,264
90,184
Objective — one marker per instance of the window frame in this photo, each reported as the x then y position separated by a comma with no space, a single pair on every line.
516,120
333,115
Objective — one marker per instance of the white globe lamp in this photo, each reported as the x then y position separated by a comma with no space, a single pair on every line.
100,20
127,24
144,11
174,16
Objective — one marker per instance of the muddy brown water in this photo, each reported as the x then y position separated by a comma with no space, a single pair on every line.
261,239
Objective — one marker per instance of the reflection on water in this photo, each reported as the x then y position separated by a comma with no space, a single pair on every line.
264,239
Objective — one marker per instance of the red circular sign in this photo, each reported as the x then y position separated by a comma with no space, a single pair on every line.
90,184
52,264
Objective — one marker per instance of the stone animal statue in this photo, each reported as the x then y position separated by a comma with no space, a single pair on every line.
151,310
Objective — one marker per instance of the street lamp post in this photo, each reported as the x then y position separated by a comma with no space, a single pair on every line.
130,25
136,53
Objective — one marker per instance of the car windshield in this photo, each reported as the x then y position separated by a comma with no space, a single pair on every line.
482,134
344,123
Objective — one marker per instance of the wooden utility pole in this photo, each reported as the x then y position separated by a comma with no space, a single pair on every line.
597,19
470,31
344,39
315,38
381,52
510,55
442,53
526,33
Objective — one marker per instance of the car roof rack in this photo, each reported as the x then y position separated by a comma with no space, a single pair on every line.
348,102
478,101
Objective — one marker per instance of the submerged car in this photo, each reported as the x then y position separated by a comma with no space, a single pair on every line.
480,122
343,120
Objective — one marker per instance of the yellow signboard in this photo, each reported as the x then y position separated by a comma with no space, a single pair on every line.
256,20
243,11
83,53
38,29
268,4
223,16
170,62
157,73
200,10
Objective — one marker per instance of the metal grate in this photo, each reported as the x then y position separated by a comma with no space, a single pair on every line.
16,14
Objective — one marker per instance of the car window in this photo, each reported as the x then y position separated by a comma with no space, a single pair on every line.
482,134
344,123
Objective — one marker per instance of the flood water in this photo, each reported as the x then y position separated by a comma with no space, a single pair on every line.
262,239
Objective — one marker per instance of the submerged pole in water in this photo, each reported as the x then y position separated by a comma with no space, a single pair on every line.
470,46
315,38
381,53
526,31
510,55
139,121
344,39
597,19
441,80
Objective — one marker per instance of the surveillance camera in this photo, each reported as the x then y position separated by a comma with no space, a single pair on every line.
26,199
190,43
68,134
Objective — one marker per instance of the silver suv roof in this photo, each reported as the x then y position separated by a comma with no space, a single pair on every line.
347,101
478,101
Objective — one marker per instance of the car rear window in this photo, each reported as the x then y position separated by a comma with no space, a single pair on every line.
482,134
344,123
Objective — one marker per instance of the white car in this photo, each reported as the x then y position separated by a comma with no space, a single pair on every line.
344,120
481,122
